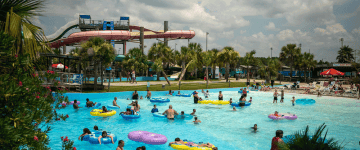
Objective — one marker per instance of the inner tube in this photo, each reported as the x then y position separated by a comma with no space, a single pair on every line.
237,104
72,102
185,95
147,137
87,137
185,116
130,116
242,91
159,100
216,102
160,115
305,101
99,112
282,116
94,139
188,146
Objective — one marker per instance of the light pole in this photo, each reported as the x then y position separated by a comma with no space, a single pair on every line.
271,52
207,74
119,51
175,46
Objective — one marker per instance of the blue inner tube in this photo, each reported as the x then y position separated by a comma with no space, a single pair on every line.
96,106
288,138
163,100
160,115
242,91
87,137
305,101
237,104
94,139
185,95
130,116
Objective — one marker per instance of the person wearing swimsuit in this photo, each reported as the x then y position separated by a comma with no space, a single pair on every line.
277,140
220,96
148,96
275,96
282,96
121,145
245,93
242,101
170,113
104,135
196,98
135,95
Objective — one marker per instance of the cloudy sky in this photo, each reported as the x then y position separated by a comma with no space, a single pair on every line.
243,24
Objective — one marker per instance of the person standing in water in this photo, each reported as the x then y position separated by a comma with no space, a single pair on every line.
234,108
196,97
114,102
148,96
196,120
277,140
293,101
170,113
282,96
220,96
275,96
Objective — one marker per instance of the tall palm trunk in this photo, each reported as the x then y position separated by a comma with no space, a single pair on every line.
95,75
214,68
248,74
207,77
183,70
305,74
196,70
157,76
101,74
167,80
227,72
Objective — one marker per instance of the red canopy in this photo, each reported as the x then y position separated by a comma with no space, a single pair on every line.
332,72
60,66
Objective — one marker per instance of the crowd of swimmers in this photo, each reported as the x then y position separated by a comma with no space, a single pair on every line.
170,114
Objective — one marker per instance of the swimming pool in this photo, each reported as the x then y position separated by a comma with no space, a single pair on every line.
226,129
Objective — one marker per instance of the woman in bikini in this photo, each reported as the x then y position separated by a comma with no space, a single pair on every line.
275,96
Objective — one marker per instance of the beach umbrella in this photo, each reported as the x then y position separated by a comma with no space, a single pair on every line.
59,66
332,72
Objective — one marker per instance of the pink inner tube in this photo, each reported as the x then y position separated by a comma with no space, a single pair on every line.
72,102
136,135
147,137
283,116
154,139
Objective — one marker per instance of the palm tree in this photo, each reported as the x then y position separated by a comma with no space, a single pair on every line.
289,53
100,52
188,58
214,60
15,21
303,140
228,55
345,55
207,56
162,52
270,69
196,47
249,59
305,62
135,59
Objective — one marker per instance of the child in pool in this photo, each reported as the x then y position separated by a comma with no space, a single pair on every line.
293,101
234,108
178,93
141,97
196,120
250,100
104,135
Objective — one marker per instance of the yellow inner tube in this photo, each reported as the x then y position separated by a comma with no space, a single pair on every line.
185,147
216,102
98,112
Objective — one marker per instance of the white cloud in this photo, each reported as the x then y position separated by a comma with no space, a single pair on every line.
227,34
356,31
271,26
331,29
242,31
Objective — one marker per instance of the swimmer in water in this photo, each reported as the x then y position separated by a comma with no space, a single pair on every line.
170,113
293,101
196,120
230,101
207,94
250,100
193,113
255,127
114,102
234,108
178,93
141,97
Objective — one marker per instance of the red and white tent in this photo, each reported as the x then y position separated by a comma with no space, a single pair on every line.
59,66
332,72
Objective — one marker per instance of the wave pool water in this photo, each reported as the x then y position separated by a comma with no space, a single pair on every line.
226,129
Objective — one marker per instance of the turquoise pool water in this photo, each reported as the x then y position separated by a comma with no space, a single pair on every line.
226,129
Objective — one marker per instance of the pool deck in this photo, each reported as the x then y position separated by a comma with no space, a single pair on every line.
186,82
